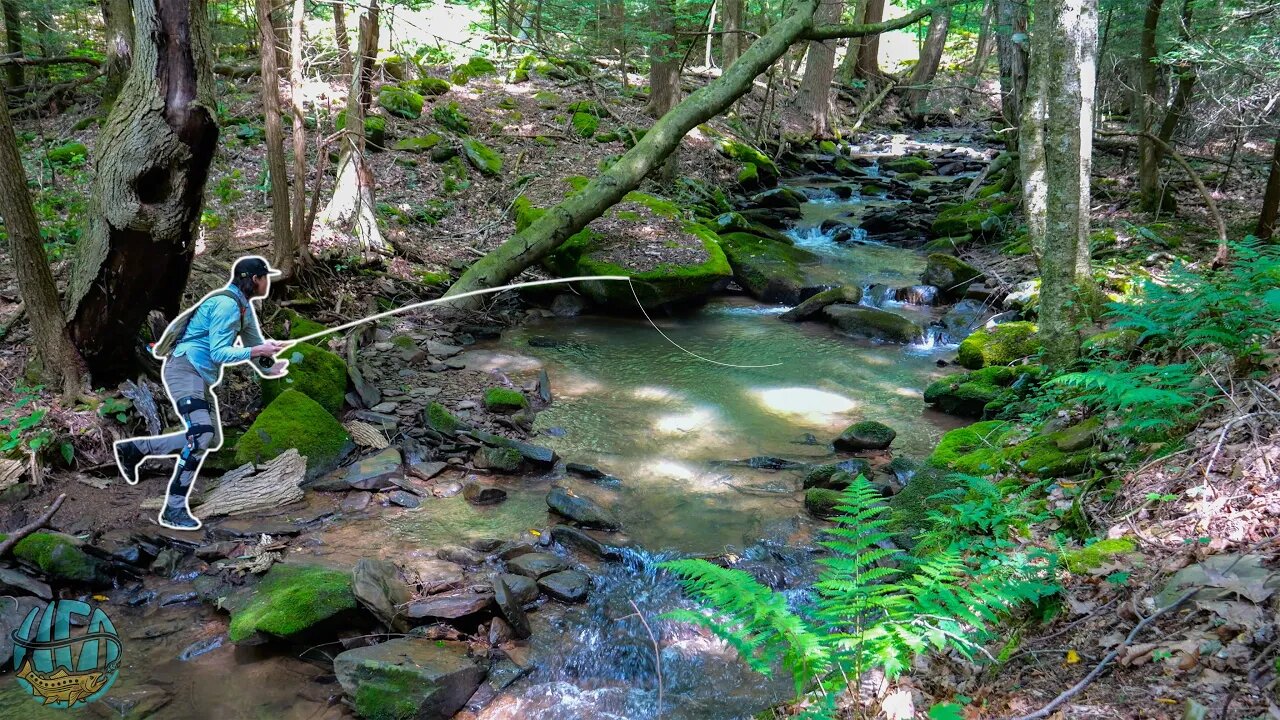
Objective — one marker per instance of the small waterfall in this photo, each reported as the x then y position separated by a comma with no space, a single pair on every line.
918,295
812,238
872,170
878,296
934,339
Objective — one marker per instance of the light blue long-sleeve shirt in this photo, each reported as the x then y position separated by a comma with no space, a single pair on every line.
210,340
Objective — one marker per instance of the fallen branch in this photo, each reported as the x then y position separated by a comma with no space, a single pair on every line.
875,103
16,536
33,62
1074,690
57,91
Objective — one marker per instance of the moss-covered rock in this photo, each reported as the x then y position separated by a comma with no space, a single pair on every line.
909,164
393,65
873,323
1040,456
836,476
401,102
432,86
951,275
500,399
292,599
911,506
766,168
68,154
1093,556
294,420
1000,345
585,124
475,67
641,216
408,679
981,393
749,176
314,372
420,144
482,157
546,99
822,502
866,435
375,129
299,326
500,459
439,418
981,217
520,73
771,271
449,116
851,294
976,449
58,556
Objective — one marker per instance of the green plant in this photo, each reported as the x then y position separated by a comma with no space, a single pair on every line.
22,429
115,407
226,188
870,611
981,515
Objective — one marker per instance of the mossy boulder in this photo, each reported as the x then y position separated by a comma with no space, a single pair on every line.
981,393
1093,556
749,177
951,275
701,268
393,64
911,506
292,600
1003,344
766,168
293,420
585,124
420,144
499,399
473,68
69,154
866,435
432,86
836,476
401,102
981,218
1041,457
375,129
851,294
58,556
314,372
450,117
520,73
482,157
822,502
299,325
976,449
908,164
408,679
439,418
873,323
546,99
769,270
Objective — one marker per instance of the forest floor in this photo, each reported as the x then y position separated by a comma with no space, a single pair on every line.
1216,498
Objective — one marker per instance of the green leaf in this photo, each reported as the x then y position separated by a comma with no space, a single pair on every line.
946,711
68,452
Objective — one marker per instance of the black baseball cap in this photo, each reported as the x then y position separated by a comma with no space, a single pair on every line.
253,266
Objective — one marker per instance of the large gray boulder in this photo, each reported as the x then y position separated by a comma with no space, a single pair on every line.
873,323
408,678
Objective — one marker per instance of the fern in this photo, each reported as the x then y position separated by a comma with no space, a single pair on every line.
869,610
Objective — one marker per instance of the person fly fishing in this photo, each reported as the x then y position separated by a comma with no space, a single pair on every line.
195,347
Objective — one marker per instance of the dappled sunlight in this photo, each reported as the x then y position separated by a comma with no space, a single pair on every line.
486,360
686,422
656,394
809,402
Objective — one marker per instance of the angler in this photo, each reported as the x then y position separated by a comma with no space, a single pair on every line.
194,348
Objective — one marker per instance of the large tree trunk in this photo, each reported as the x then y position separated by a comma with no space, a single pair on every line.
13,41
1150,193
153,159
1271,200
930,57
986,41
281,231
664,61
117,20
301,226
561,221
814,98
731,41
1011,46
367,29
60,362
344,44
1186,85
867,65
351,209
1063,62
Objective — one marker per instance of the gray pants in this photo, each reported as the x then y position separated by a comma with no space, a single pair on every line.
182,381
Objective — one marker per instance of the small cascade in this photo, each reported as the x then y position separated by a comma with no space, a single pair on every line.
872,170
879,296
935,339
918,295
812,238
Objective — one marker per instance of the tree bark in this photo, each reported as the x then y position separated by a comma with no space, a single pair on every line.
60,362
814,97
1271,199
301,227
1011,46
281,230
867,65
367,27
561,221
352,209
1064,57
930,57
153,160
986,42
731,41
1186,85
664,61
1149,190
344,43
13,41
117,20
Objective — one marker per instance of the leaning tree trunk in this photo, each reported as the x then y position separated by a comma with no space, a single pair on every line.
1011,47
301,225
153,159
1186,85
814,98
281,230
1064,48
1150,194
351,211
344,44
1271,200
930,57
986,42
731,25
867,65
60,363
561,221
13,41
117,19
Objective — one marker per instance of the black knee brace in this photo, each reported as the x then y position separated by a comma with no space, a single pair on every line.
194,450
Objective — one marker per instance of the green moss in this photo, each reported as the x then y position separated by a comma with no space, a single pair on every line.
909,164
441,420
1093,556
431,86
828,147
744,153
504,399
911,507
771,271
451,117
418,144
978,393
291,599
401,102
294,420
86,123
525,212
391,697
57,556
1040,456
585,123
1113,342
375,129
976,449
523,68
821,502
982,217
299,326
314,372
501,459
1001,345
749,175
482,157
835,476
866,435
69,154
434,278
546,99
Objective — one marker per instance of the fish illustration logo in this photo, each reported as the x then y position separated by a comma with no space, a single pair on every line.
61,669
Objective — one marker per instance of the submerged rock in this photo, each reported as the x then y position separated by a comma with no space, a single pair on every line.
581,510
847,294
408,678
478,494
572,537
836,476
866,435
964,317
873,323
769,270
